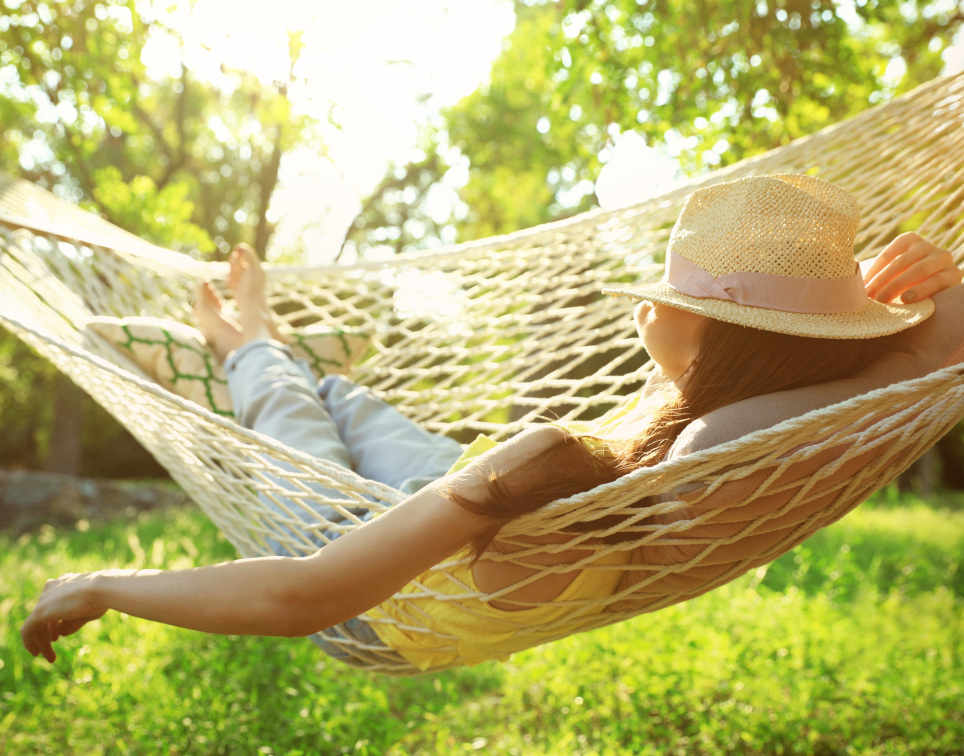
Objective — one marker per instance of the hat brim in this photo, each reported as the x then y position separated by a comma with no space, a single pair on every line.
873,319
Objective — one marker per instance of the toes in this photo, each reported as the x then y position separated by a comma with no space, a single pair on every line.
245,272
206,297
242,256
239,262
245,258
245,252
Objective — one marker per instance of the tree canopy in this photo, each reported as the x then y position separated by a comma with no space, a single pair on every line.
184,162
707,82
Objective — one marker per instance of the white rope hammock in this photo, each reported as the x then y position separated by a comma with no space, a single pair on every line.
491,336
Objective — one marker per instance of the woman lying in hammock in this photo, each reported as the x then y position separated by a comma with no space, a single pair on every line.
760,295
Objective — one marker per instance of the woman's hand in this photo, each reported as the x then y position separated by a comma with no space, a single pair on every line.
65,606
910,269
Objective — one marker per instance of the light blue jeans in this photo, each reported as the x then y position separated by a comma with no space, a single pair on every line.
339,421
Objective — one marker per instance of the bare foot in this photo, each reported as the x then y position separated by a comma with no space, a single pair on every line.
247,282
222,334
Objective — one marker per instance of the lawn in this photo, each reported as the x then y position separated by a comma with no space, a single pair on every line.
850,644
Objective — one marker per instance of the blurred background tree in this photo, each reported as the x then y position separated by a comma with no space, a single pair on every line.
192,162
705,83
187,164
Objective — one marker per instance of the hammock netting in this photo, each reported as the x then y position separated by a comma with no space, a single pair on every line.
491,336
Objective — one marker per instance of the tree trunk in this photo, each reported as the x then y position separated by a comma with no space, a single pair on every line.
64,453
919,477
267,182
951,452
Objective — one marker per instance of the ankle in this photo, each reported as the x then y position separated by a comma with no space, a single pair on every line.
255,326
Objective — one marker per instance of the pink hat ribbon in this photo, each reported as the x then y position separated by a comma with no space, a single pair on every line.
784,293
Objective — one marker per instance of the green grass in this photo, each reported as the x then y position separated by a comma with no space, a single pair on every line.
851,644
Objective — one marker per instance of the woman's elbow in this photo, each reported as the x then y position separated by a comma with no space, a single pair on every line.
300,622
300,614
296,611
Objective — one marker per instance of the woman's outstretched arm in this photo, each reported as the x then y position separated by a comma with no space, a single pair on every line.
286,596
281,596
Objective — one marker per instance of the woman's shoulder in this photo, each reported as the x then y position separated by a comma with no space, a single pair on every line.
531,442
540,438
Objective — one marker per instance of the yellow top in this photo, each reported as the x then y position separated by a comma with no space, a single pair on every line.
443,618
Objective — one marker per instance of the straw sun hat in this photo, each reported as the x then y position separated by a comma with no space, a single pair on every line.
774,253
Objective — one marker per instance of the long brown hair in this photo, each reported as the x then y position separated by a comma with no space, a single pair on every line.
733,363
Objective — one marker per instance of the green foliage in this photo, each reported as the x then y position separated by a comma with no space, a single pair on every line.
26,384
861,653
710,83
525,154
83,115
736,78
162,215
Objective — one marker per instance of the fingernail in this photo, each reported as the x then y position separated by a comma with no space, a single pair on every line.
909,296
